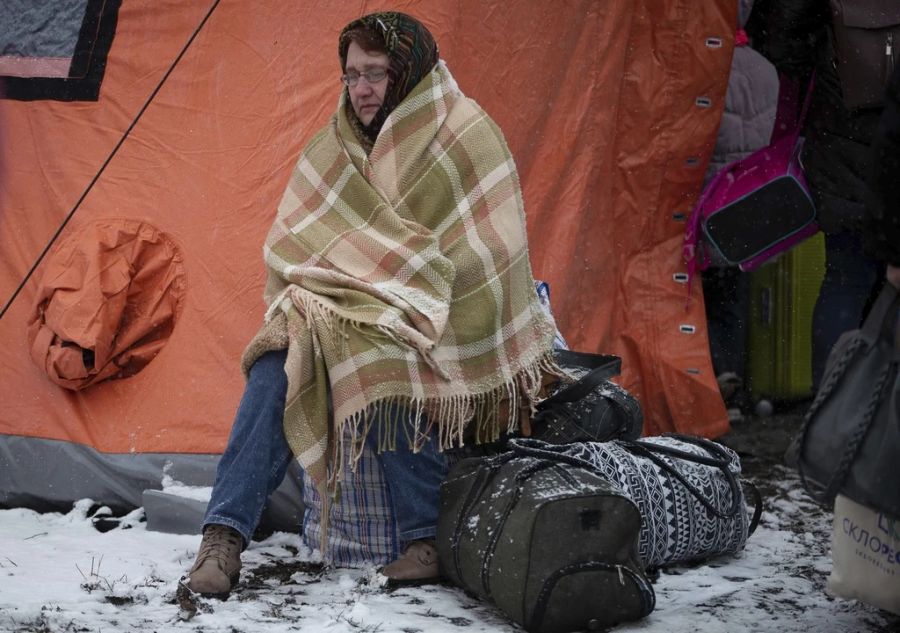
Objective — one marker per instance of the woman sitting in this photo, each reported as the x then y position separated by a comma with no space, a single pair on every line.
401,303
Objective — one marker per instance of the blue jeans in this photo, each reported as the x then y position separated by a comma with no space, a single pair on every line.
257,457
847,287
413,482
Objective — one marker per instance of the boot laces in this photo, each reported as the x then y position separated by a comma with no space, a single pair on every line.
218,545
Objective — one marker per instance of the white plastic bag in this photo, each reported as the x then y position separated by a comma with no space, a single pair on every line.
865,549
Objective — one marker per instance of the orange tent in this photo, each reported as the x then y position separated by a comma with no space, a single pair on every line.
602,104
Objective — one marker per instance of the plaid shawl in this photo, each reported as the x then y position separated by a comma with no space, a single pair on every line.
405,280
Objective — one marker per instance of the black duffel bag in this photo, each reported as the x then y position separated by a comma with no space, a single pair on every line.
554,546
589,407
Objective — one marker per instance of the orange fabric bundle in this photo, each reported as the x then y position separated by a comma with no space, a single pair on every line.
107,303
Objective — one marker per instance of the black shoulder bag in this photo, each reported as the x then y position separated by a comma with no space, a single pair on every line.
592,408
850,441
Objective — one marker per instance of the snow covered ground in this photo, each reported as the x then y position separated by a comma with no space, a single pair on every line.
58,573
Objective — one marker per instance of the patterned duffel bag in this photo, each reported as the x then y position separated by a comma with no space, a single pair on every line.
688,490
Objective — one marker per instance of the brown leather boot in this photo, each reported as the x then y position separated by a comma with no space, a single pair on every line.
418,565
218,565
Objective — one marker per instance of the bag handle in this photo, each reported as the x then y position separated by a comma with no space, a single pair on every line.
758,505
652,452
788,120
880,320
722,463
589,360
602,368
840,473
695,257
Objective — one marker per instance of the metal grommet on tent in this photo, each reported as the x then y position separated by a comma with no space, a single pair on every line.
680,278
686,328
714,42
703,102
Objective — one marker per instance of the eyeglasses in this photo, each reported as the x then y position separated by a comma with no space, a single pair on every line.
371,76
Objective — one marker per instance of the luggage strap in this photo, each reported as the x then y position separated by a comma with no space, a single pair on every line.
602,367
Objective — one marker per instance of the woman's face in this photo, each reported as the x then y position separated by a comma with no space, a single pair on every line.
366,98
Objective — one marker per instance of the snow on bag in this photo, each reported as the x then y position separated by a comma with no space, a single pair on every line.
553,546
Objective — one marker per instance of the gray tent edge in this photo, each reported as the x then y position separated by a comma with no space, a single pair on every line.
51,475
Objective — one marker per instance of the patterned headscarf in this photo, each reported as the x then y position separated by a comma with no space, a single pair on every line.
412,53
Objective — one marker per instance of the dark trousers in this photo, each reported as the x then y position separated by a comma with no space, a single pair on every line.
726,294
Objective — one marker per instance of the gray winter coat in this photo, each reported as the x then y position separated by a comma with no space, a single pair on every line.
750,104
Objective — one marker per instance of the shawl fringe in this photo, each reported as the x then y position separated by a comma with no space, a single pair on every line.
415,417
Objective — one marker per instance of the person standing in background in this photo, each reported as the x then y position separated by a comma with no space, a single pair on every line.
881,226
802,38
746,126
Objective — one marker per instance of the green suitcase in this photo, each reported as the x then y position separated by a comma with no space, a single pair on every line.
783,295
